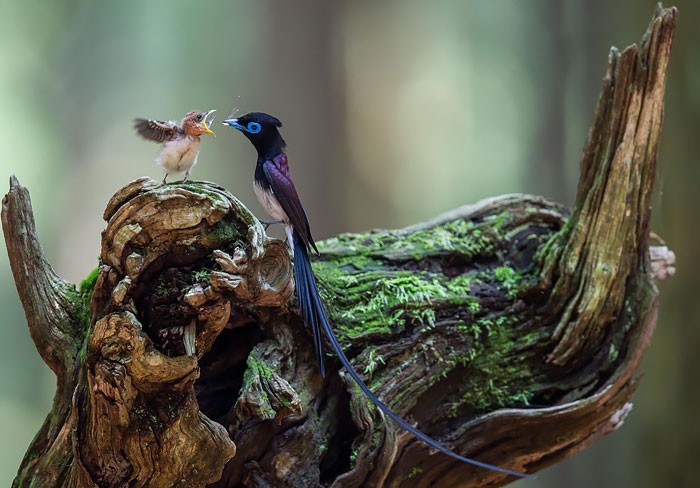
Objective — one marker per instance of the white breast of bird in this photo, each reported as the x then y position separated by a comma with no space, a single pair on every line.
179,155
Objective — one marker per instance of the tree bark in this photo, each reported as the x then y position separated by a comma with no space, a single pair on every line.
509,330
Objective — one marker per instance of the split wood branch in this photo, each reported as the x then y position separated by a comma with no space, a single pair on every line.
510,330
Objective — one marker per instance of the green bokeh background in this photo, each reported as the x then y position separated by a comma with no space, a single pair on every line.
394,111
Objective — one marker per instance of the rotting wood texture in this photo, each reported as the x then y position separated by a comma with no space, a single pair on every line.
510,330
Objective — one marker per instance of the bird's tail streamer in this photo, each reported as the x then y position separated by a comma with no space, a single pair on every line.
307,294
315,316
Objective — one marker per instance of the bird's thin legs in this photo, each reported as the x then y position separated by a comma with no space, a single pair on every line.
164,178
268,223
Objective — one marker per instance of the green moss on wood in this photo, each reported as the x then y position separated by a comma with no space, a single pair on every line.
381,301
220,234
376,299
84,299
256,368
218,199
87,286
508,278
457,236
201,275
462,278
256,373
374,361
496,374
415,471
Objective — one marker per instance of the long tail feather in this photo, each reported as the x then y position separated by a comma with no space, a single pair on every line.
314,314
307,294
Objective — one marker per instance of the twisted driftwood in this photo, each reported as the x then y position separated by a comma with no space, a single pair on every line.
510,330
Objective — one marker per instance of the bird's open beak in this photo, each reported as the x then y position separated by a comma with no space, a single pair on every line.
206,124
233,123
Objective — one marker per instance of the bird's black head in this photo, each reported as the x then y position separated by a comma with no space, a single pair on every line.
262,130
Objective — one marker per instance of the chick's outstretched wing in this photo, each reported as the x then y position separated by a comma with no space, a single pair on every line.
156,130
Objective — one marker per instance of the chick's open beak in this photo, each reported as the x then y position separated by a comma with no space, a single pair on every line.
207,123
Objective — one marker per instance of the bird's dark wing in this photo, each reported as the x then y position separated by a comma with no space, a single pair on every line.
156,130
277,173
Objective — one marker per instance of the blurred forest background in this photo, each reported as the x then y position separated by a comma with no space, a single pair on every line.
394,111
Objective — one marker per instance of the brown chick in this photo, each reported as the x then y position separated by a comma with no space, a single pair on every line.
180,148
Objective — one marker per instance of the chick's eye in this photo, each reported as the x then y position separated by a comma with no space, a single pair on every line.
199,118
254,127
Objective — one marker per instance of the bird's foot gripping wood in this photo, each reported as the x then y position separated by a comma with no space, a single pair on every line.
192,254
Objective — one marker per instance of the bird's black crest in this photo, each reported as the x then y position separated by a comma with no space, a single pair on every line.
262,118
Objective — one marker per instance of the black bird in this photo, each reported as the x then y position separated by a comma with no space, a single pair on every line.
274,188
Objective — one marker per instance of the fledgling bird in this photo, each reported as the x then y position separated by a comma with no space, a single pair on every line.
180,148
277,194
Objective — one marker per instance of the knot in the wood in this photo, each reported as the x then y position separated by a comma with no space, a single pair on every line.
511,331
187,256
179,263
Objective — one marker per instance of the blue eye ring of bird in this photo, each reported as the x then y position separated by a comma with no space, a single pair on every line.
251,128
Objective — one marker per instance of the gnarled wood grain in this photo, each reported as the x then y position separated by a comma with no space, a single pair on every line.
510,330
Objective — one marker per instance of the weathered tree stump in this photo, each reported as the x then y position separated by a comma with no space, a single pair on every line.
510,330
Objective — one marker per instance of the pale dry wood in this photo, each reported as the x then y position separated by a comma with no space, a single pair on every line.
608,233
509,330
51,314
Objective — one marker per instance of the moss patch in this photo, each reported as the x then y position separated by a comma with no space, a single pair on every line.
257,367
201,275
458,236
83,298
386,284
415,471
496,374
379,300
368,295
508,278
255,375
220,234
